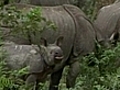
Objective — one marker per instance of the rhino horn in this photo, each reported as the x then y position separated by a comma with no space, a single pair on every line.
114,36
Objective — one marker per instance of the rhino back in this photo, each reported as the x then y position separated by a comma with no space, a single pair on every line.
19,56
107,19
46,2
50,2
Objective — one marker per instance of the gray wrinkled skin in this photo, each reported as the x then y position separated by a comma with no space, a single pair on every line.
50,2
79,38
45,2
108,20
20,56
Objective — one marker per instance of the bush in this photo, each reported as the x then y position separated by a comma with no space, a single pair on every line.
99,71
91,7
21,23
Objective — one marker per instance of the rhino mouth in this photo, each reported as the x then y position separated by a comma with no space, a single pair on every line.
58,59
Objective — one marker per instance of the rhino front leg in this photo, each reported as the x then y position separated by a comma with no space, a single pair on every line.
32,81
55,79
72,74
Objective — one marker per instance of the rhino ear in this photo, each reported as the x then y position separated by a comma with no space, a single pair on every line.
43,41
59,41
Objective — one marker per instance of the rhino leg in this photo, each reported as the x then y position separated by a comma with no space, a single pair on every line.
72,74
55,79
32,81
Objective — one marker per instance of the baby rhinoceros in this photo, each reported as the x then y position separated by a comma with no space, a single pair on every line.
40,59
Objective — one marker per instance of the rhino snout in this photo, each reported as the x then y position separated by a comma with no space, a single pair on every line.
58,56
55,54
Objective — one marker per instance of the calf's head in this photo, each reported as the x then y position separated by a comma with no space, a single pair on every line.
52,53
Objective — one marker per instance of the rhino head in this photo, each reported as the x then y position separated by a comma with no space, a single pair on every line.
52,53
110,40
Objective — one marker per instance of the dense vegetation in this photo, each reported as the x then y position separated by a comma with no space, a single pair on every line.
91,7
99,71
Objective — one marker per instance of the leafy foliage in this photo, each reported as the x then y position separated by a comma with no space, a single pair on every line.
91,7
99,71
22,23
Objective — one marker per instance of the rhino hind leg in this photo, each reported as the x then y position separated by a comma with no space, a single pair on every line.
55,79
72,74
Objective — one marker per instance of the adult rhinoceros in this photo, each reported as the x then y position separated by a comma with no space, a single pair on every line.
40,60
108,20
51,2
79,38
43,2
